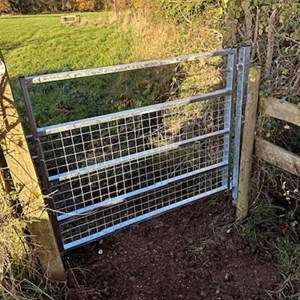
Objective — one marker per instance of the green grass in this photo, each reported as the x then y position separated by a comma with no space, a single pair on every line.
40,44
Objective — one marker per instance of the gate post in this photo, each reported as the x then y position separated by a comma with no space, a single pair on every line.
248,142
4,190
242,83
16,152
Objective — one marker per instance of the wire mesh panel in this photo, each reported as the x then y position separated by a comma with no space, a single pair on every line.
100,222
110,171
112,182
129,133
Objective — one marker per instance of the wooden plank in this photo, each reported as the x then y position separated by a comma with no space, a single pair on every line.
277,156
285,111
15,149
248,142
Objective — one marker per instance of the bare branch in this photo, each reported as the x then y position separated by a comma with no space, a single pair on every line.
271,37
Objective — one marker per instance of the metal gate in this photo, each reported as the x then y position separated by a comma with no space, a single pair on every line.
107,172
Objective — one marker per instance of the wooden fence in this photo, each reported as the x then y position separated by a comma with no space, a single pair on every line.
269,152
263,149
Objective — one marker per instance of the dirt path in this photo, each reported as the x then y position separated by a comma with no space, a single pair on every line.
192,253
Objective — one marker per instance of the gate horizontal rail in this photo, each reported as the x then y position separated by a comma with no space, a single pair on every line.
111,171
144,217
125,67
128,158
129,113
119,199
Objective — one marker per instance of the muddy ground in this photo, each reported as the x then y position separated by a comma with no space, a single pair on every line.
191,253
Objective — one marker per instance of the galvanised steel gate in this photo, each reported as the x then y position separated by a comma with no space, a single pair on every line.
108,172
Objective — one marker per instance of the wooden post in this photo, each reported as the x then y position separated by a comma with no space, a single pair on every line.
248,143
15,149
4,190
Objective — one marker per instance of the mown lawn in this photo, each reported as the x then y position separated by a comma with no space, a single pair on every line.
40,44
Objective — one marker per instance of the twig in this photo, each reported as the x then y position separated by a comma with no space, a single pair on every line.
256,28
270,47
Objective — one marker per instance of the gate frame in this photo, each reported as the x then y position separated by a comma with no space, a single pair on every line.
240,68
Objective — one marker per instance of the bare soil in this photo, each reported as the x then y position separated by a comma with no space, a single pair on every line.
191,253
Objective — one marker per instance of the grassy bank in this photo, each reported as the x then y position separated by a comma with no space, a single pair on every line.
40,44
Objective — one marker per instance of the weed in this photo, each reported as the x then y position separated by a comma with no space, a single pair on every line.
276,228
288,255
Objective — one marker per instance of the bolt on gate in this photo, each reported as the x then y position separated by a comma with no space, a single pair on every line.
107,172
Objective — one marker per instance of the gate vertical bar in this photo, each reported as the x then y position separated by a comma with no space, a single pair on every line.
242,82
231,60
42,163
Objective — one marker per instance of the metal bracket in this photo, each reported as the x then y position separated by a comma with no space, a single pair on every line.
239,66
2,69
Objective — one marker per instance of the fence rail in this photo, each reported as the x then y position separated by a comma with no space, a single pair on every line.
269,152
277,156
279,109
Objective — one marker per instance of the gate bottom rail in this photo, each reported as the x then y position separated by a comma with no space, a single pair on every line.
144,217
120,199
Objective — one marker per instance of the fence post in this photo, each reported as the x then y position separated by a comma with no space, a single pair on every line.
4,190
248,142
16,153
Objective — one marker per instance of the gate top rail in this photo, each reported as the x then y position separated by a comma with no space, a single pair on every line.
124,67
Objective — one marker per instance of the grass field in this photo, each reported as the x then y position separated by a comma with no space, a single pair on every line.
40,44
